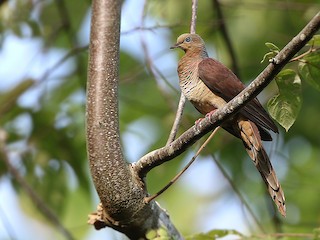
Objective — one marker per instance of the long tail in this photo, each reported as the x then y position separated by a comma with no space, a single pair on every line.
252,141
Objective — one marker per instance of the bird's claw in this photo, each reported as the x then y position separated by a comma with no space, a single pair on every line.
197,122
207,116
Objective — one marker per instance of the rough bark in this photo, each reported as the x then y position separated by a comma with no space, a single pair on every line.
120,191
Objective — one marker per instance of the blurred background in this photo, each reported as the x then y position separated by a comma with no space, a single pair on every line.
46,190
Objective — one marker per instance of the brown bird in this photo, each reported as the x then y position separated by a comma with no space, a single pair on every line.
209,85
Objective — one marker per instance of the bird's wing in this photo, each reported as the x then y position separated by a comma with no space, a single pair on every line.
224,83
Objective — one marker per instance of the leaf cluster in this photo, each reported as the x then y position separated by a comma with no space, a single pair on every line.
285,106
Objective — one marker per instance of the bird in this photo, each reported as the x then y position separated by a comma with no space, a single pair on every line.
209,85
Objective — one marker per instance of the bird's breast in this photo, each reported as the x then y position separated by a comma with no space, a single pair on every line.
196,91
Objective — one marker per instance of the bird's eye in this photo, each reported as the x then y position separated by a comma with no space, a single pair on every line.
188,39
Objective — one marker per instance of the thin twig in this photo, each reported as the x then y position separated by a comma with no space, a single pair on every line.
69,54
194,16
148,199
182,100
310,50
177,120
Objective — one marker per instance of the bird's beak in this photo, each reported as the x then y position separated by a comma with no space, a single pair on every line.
177,45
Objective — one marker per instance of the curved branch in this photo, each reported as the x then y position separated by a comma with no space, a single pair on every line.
104,150
157,157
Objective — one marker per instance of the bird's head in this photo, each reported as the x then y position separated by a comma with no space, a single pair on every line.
188,41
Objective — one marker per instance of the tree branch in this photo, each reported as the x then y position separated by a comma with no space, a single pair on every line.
194,16
182,100
157,157
120,190
102,107
177,120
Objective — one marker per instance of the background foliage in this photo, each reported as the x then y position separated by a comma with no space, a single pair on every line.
45,185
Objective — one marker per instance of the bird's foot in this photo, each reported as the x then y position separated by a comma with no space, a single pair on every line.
197,122
209,114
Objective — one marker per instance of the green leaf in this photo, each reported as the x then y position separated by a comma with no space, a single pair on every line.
268,56
152,234
272,47
285,106
158,234
309,70
274,50
214,234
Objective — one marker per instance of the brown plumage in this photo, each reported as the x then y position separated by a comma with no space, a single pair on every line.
209,85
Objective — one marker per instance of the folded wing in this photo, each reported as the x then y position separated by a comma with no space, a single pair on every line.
224,83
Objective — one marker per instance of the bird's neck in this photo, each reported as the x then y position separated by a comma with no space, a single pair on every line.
189,62
188,72
200,52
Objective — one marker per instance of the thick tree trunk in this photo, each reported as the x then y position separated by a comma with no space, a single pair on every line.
121,192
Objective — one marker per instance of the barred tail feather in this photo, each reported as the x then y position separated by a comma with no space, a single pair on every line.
269,176
252,141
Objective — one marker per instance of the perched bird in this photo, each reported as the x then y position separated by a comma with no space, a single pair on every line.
209,85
